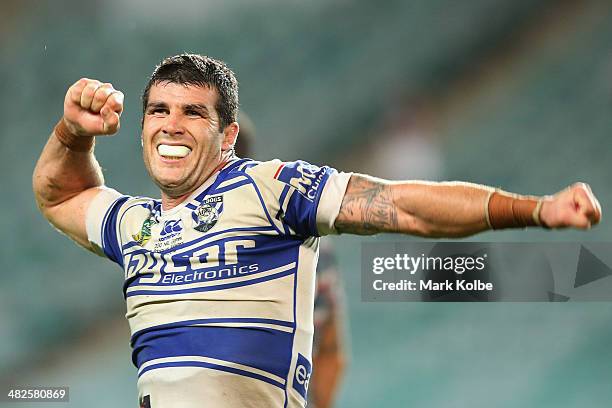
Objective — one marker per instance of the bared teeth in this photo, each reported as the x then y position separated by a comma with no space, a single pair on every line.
170,151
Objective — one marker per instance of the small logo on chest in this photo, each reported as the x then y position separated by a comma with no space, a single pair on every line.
171,227
145,231
207,214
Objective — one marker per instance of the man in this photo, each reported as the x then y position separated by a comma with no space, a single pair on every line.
219,273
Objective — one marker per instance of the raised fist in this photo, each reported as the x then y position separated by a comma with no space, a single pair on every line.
92,108
576,206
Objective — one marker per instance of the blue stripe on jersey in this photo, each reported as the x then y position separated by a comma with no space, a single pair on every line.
110,244
243,164
221,177
129,245
281,202
212,288
295,283
281,199
262,348
232,186
192,322
248,165
202,364
230,168
263,205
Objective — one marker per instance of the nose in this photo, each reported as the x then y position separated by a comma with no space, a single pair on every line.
173,125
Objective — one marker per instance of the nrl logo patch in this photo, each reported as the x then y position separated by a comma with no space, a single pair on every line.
145,231
207,214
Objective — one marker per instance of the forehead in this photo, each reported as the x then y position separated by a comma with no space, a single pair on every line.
182,94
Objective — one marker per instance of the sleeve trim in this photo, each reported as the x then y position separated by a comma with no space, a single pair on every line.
94,222
331,201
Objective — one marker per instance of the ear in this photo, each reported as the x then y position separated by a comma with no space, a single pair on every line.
229,136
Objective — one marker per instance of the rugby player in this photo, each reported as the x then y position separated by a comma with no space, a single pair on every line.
219,272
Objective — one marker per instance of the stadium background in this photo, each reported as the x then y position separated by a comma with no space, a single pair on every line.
512,93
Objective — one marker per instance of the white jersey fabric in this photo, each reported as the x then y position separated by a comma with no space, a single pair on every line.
220,289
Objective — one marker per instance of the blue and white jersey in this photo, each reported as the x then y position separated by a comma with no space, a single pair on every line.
220,289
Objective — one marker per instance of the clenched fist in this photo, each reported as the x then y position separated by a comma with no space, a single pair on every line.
576,206
92,108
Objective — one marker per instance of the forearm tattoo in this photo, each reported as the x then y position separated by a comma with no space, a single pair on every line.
367,208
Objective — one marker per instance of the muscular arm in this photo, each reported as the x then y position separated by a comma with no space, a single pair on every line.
64,183
67,176
428,209
446,209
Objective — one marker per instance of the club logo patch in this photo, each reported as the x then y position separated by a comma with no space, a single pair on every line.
207,214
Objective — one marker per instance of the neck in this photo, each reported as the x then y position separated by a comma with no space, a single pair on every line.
169,202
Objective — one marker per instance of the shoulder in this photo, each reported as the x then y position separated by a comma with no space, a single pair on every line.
261,173
298,174
301,176
133,209
256,168
136,202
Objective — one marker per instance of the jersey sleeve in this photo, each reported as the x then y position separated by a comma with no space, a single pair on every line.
308,197
102,224
330,202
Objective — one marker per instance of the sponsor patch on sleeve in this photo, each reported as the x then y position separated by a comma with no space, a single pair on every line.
306,178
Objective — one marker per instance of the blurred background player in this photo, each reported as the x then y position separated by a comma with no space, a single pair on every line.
329,343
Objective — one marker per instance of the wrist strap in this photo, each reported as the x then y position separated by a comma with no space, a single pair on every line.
70,140
506,210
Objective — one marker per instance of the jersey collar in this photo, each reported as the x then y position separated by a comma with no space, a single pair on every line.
209,181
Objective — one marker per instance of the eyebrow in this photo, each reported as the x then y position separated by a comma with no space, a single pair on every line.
194,106
156,105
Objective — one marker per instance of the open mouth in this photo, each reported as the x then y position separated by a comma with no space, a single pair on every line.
172,152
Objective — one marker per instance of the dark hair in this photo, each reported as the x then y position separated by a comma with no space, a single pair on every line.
199,70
